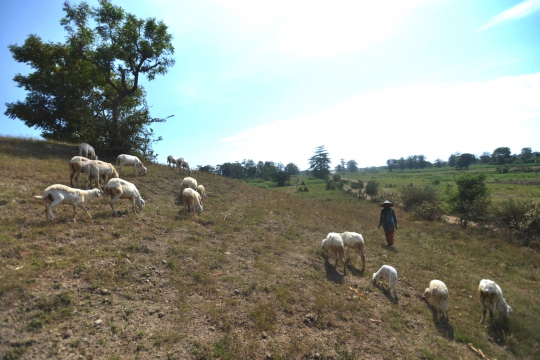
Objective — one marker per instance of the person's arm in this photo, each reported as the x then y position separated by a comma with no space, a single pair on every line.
395,219
380,220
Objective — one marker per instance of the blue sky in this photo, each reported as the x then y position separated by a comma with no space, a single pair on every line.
369,80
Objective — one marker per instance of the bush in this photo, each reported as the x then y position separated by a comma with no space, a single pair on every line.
357,185
414,196
436,182
336,178
521,218
330,185
372,188
429,211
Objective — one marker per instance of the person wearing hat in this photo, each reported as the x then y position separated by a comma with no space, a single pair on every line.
389,221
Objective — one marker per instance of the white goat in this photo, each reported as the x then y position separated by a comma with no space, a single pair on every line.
76,167
171,160
491,296
438,291
87,151
200,190
192,201
99,170
182,163
188,182
355,241
334,245
122,189
58,194
387,272
123,160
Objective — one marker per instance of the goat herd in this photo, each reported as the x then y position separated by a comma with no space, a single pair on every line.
104,173
489,292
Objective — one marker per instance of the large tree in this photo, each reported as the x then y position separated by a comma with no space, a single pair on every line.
464,161
88,88
470,200
319,164
352,166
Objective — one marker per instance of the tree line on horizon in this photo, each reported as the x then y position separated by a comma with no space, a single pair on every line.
499,156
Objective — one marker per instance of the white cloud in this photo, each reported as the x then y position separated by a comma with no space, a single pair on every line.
320,28
434,120
514,13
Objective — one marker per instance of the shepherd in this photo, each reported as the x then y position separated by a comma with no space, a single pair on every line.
389,221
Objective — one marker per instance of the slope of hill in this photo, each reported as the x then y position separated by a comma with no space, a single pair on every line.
244,279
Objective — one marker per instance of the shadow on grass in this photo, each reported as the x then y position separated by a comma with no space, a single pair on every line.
498,332
354,270
443,327
332,274
387,292
389,248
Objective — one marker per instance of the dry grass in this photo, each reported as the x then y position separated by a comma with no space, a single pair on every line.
244,279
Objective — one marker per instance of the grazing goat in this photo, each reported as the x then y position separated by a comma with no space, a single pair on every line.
192,201
99,170
76,167
122,189
491,296
182,163
58,194
123,160
334,245
171,160
387,272
438,292
87,151
200,190
188,182
355,241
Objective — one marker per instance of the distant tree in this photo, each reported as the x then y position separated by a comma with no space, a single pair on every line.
343,165
464,161
250,168
268,170
470,200
338,169
526,153
390,164
319,164
292,169
411,162
438,163
206,168
485,158
401,163
501,155
352,166
281,177
422,161
452,159
232,170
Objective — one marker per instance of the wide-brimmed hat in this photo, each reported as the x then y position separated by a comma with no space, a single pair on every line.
387,202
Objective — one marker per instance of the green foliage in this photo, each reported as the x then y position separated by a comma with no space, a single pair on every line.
357,184
330,184
521,218
372,188
336,178
464,161
281,177
319,164
87,89
413,196
470,200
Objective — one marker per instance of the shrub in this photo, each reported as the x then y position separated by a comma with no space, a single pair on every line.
357,185
414,196
372,188
470,200
336,178
429,211
436,182
521,218
330,185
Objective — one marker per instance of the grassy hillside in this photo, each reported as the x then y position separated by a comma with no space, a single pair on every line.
243,280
